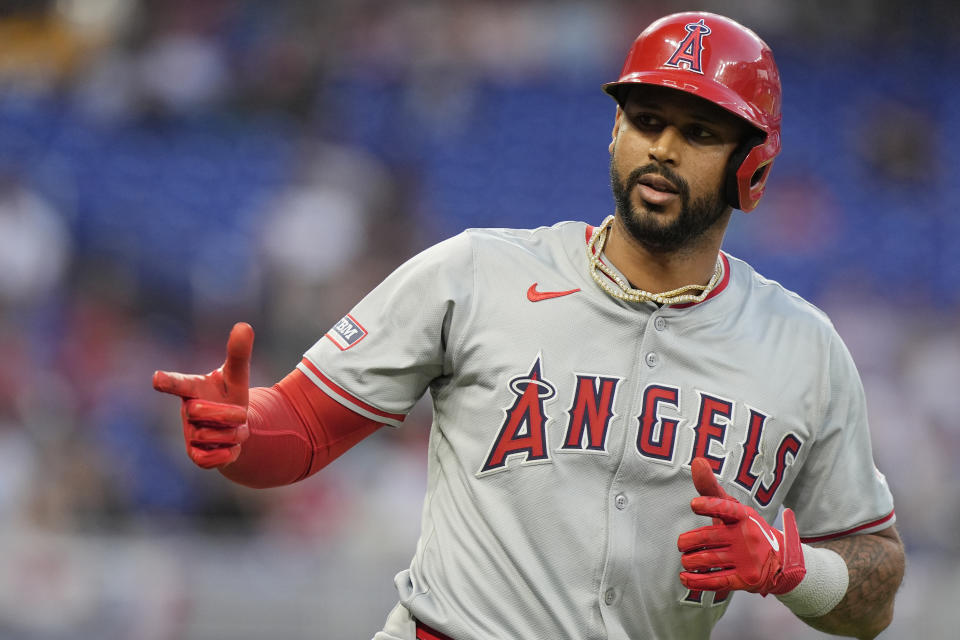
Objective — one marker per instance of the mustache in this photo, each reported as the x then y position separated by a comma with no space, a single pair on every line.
661,170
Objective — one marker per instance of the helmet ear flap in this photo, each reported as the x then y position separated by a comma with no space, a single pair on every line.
731,182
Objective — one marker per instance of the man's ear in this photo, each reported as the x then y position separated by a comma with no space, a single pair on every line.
616,128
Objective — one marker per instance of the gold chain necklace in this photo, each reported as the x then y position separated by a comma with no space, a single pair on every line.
625,292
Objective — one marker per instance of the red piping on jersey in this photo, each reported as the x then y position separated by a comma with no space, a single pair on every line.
347,396
426,633
724,281
831,536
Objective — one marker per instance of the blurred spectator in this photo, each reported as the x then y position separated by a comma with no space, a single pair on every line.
320,222
336,230
35,244
18,467
181,72
898,143
40,49
931,369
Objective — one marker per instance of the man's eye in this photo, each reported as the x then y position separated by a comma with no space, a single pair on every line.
646,120
700,133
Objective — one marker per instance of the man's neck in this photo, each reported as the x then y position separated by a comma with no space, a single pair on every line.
664,271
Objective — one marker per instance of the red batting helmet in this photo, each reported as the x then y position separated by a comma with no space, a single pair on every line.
722,61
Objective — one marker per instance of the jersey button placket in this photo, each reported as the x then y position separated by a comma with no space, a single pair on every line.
618,561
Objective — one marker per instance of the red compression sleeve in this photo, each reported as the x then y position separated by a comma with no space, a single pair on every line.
295,430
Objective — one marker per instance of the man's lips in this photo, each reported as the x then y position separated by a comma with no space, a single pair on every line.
659,183
656,189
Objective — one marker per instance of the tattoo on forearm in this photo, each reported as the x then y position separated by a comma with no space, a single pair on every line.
875,564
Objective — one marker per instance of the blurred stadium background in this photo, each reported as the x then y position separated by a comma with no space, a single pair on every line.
168,167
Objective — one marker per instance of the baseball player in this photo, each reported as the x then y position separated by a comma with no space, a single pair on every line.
620,410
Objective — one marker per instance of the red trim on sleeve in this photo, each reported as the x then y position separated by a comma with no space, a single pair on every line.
347,396
840,534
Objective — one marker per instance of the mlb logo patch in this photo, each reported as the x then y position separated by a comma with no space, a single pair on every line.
346,333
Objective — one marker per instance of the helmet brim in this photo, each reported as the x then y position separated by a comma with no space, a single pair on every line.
698,86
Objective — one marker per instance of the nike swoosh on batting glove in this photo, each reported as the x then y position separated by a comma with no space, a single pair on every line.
740,550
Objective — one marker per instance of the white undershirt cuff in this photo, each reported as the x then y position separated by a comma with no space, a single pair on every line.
822,588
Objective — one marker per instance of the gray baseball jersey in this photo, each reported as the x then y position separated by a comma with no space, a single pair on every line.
565,422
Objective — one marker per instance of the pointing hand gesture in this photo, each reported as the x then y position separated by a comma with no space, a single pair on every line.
214,408
739,551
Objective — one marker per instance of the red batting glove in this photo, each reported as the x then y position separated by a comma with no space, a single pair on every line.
739,551
214,409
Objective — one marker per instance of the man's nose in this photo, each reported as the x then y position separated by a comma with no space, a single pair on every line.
665,146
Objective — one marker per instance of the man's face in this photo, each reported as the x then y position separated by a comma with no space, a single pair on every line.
667,164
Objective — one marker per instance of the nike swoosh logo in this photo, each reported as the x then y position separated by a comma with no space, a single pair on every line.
536,296
769,536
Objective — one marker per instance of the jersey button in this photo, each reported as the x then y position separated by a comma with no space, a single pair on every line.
660,323
652,359
609,596
620,501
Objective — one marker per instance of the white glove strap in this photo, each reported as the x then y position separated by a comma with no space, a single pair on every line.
822,588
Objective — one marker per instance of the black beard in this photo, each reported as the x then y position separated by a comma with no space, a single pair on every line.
694,220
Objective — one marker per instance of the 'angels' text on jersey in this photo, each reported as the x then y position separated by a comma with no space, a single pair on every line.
523,434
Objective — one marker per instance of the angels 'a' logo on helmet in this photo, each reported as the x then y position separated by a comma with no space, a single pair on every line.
689,51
